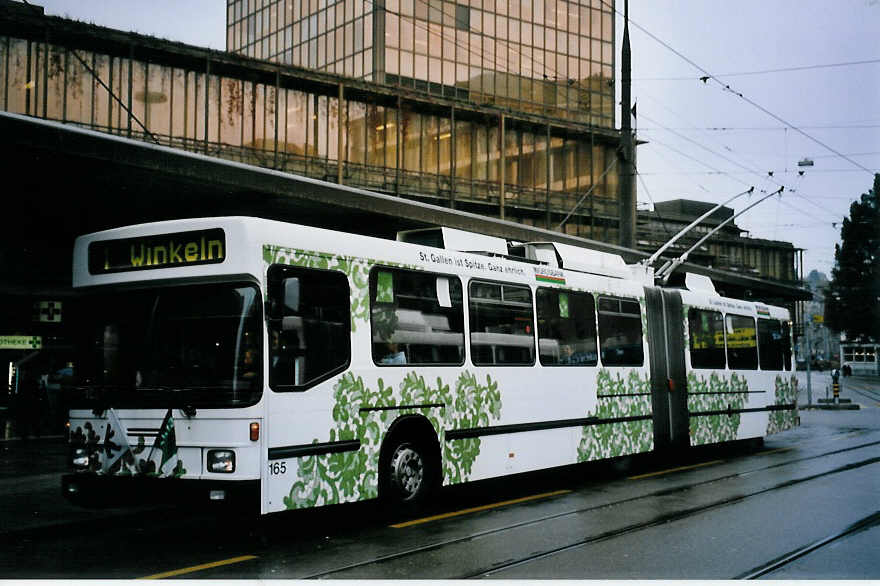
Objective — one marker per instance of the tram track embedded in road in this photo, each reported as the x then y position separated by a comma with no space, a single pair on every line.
873,395
662,519
858,526
659,520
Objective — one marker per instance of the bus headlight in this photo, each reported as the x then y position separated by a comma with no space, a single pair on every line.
222,461
80,458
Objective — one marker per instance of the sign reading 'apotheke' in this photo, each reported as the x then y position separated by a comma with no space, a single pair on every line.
21,342
158,251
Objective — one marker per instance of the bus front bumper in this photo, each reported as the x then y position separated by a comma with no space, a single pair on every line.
97,490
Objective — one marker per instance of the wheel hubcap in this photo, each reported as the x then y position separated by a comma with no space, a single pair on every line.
407,471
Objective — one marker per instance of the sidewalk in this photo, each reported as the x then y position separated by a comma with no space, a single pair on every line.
854,390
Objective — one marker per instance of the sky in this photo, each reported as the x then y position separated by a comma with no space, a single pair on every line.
709,140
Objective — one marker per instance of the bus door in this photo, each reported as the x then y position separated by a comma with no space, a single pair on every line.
668,378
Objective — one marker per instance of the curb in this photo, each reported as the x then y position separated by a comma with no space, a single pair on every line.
833,407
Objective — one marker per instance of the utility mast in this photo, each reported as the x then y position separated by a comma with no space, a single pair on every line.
626,191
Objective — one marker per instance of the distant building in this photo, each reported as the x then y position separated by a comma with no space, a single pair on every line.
729,249
824,342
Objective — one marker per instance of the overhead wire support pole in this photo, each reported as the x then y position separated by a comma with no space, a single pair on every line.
653,258
666,270
626,197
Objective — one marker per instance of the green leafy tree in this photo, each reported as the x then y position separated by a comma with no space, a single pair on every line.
852,304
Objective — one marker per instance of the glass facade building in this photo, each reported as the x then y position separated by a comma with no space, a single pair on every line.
418,141
554,57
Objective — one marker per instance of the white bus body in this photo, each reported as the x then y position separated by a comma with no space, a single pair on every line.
442,370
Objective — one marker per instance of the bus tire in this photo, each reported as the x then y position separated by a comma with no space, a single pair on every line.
409,474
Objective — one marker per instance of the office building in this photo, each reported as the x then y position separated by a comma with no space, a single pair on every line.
552,57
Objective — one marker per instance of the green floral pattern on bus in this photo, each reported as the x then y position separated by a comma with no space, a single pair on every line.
715,393
619,397
786,392
348,476
474,405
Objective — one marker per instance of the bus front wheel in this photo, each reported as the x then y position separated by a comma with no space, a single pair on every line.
409,474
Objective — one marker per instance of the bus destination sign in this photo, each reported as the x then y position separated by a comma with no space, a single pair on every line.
157,251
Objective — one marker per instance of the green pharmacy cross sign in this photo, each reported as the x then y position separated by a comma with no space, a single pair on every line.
21,342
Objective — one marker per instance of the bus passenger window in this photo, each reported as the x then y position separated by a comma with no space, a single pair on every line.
566,328
770,352
742,345
620,332
706,338
501,321
416,317
309,326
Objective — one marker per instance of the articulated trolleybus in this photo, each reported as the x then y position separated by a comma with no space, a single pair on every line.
306,367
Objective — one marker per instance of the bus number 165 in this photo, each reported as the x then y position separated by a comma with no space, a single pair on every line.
276,468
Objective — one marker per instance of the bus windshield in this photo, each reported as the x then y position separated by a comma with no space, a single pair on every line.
183,346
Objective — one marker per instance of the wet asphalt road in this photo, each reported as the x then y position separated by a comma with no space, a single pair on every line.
806,500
